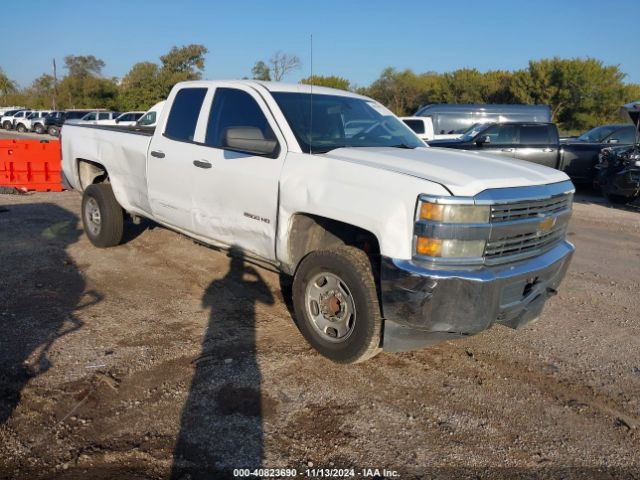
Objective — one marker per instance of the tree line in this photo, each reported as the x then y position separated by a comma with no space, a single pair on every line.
582,93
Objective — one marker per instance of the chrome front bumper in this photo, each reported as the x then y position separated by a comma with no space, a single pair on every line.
423,305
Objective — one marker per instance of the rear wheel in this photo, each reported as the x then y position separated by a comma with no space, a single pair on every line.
336,304
39,129
102,216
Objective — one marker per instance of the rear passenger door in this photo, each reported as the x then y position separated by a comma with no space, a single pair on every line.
538,144
170,167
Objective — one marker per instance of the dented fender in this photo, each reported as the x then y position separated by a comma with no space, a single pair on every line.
379,201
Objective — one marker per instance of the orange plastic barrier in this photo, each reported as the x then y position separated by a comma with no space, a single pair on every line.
31,164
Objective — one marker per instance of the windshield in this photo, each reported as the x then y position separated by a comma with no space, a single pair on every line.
597,134
340,121
474,130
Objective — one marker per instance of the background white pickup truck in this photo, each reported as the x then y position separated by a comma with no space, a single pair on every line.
391,244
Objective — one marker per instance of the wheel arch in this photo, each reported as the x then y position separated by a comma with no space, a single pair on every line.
90,172
309,232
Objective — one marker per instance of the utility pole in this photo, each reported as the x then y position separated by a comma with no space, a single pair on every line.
55,85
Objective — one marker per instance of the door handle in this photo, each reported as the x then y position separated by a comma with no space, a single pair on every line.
157,154
201,164
507,150
547,150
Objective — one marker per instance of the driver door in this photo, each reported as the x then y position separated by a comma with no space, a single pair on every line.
503,140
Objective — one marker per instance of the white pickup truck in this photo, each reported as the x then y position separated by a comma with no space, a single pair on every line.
391,244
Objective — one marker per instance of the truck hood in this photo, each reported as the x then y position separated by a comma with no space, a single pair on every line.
463,173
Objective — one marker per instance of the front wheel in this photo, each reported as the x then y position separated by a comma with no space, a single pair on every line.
21,128
102,216
336,304
39,129
53,131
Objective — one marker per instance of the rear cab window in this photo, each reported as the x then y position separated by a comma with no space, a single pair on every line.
183,117
535,135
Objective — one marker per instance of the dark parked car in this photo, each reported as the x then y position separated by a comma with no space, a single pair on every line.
619,167
618,174
580,155
54,121
534,142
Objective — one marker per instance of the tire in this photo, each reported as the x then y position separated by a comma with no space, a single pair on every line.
6,125
21,128
39,129
102,216
53,131
336,304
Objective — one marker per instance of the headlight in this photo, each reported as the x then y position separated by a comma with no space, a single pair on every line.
436,212
438,222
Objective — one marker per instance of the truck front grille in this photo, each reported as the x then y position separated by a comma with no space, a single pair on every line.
523,245
506,245
534,208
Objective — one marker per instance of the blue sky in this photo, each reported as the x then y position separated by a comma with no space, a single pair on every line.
353,39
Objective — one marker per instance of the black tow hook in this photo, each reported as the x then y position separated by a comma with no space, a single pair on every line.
551,292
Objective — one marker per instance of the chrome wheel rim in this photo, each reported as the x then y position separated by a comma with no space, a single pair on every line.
330,307
92,216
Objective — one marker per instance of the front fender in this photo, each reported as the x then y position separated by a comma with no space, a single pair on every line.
379,201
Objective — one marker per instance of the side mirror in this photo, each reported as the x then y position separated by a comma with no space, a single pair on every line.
117,120
249,139
482,140
613,140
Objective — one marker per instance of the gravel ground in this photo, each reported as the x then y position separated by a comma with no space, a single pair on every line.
162,358
11,134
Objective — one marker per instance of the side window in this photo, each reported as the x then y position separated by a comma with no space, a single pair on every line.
90,116
534,135
501,134
183,118
234,108
416,125
624,135
103,116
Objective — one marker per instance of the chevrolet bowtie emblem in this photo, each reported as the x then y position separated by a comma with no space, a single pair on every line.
547,224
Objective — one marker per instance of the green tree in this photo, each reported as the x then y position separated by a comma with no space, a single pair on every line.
80,66
261,71
402,91
179,65
41,92
331,81
140,87
147,83
7,87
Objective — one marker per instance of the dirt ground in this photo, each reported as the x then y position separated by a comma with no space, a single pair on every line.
162,358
